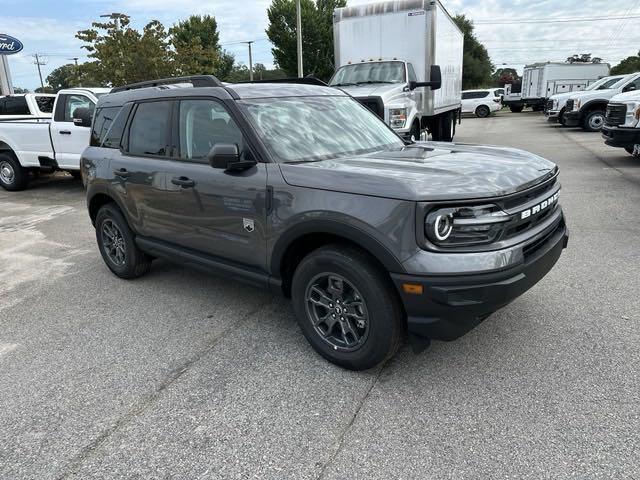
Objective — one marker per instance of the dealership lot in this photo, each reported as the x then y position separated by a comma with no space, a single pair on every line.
184,375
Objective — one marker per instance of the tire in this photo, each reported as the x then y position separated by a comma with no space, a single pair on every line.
415,131
516,108
482,111
630,151
76,174
593,121
367,336
446,132
13,177
125,260
538,108
561,119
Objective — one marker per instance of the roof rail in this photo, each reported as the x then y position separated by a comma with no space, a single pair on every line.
196,80
308,80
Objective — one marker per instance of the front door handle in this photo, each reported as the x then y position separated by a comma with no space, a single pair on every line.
64,132
122,173
183,182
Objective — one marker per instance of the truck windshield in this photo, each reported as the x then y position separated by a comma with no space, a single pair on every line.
604,83
303,129
371,72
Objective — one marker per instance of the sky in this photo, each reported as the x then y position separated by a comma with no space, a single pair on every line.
48,27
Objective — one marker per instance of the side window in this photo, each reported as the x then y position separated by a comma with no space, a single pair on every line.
113,137
203,124
45,104
2,109
101,125
149,129
76,101
635,85
412,73
466,95
16,106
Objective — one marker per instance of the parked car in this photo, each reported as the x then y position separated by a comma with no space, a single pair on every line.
622,122
50,144
482,102
301,189
388,57
26,106
556,105
588,109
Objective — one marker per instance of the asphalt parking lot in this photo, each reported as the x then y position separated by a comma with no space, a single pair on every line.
184,375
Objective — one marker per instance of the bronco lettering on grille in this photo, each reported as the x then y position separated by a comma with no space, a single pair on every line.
540,207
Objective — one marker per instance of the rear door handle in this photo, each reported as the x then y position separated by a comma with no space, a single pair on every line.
122,172
183,182
64,132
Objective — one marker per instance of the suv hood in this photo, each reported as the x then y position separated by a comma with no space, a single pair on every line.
425,171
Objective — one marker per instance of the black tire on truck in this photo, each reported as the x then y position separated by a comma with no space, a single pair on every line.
631,151
516,108
347,307
415,131
13,176
117,244
441,127
593,121
561,118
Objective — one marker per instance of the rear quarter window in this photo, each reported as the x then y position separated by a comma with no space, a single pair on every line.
108,126
45,104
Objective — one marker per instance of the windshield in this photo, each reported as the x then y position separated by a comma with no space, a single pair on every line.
620,83
371,72
604,83
298,129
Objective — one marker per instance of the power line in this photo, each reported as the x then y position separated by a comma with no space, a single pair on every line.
505,21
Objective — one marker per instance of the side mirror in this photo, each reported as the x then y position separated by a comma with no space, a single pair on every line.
227,156
82,117
435,83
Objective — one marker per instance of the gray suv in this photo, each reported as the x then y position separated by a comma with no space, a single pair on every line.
298,188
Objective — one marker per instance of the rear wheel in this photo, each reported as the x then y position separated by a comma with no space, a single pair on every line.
346,307
594,121
516,108
482,111
117,244
415,131
13,176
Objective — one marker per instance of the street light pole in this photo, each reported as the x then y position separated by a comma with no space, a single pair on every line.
299,34
250,61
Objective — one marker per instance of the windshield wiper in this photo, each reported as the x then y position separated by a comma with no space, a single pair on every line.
372,81
342,84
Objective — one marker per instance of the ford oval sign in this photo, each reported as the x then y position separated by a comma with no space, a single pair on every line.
9,45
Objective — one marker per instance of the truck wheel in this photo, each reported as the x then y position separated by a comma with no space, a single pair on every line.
446,132
76,174
594,121
561,118
415,132
632,151
117,244
346,307
516,108
13,176
482,111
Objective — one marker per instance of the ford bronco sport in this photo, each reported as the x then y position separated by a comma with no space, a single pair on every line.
298,188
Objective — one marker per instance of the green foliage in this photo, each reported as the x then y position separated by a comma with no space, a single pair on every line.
20,90
628,65
124,55
583,58
477,66
317,36
196,46
62,77
240,73
503,76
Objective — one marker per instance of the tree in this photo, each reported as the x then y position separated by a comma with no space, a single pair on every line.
240,73
583,58
476,64
628,65
124,55
503,76
62,77
20,90
317,36
197,48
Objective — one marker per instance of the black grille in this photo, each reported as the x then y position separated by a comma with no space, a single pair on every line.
569,105
549,105
374,104
616,114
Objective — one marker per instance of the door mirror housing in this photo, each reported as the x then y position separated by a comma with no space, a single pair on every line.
82,117
435,83
227,157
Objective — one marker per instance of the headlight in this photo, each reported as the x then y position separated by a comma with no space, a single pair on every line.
577,105
463,226
397,117
633,114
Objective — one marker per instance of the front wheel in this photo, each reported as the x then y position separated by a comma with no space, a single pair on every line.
346,307
482,111
594,121
13,176
516,108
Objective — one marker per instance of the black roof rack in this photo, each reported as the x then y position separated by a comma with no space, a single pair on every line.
196,80
308,80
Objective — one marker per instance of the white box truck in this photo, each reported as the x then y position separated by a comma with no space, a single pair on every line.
542,80
387,56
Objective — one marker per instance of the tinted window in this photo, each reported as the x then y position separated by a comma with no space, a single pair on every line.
45,104
74,102
149,128
113,137
498,92
466,95
412,73
102,123
2,106
16,106
204,123
635,85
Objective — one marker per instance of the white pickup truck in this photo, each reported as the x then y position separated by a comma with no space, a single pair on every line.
51,144
27,105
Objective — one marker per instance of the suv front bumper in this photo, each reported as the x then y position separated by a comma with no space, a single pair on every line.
620,137
451,306
572,119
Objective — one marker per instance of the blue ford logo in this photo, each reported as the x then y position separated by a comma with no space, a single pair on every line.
9,45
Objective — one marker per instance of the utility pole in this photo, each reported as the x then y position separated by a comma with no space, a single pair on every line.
38,60
299,34
115,17
75,60
250,61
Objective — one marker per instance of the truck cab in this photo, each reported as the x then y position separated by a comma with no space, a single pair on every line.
588,109
46,145
26,105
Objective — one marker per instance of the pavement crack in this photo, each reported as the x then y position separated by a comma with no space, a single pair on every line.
149,398
345,431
